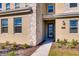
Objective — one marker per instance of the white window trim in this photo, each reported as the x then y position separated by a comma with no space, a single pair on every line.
17,6
73,26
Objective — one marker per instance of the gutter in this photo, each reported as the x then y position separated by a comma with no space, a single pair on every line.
62,15
16,11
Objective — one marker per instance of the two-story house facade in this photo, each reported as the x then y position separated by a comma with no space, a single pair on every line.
32,23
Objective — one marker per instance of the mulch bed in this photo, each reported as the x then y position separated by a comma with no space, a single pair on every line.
64,51
19,51
63,47
27,52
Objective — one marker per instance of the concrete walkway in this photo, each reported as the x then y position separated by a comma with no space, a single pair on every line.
44,49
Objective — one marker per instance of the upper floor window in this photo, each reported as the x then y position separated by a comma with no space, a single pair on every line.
17,5
18,25
50,8
4,25
7,6
26,4
73,4
0,6
73,26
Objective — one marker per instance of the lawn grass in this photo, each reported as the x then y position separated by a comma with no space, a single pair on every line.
63,52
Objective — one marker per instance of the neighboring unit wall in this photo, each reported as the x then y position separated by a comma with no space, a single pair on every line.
59,8
65,8
65,33
19,38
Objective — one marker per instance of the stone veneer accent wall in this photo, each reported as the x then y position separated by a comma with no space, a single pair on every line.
39,23
32,25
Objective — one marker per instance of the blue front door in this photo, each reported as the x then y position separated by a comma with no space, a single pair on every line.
51,31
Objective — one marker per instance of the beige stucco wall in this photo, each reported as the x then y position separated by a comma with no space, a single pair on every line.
59,8
65,8
65,33
28,34
19,38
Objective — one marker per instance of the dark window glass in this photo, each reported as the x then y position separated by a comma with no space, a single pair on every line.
73,26
0,5
4,25
26,4
18,25
50,8
7,6
17,5
73,4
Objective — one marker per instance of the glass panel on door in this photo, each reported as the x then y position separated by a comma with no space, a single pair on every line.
50,30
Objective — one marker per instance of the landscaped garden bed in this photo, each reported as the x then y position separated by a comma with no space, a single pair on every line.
65,48
7,49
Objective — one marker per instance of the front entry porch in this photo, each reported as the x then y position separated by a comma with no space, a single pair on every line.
49,30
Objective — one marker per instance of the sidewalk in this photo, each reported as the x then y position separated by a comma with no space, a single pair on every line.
43,50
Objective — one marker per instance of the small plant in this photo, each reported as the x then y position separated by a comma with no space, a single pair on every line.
7,43
3,47
65,42
12,53
62,42
59,45
74,42
58,40
25,46
14,46
70,45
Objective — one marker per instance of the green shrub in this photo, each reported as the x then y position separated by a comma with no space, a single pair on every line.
12,53
74,42
14,46
6,43
25,46
63,42
59,45
58,40
3,47
70,45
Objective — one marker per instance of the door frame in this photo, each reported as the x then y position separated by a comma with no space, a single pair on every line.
53,38
48,29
